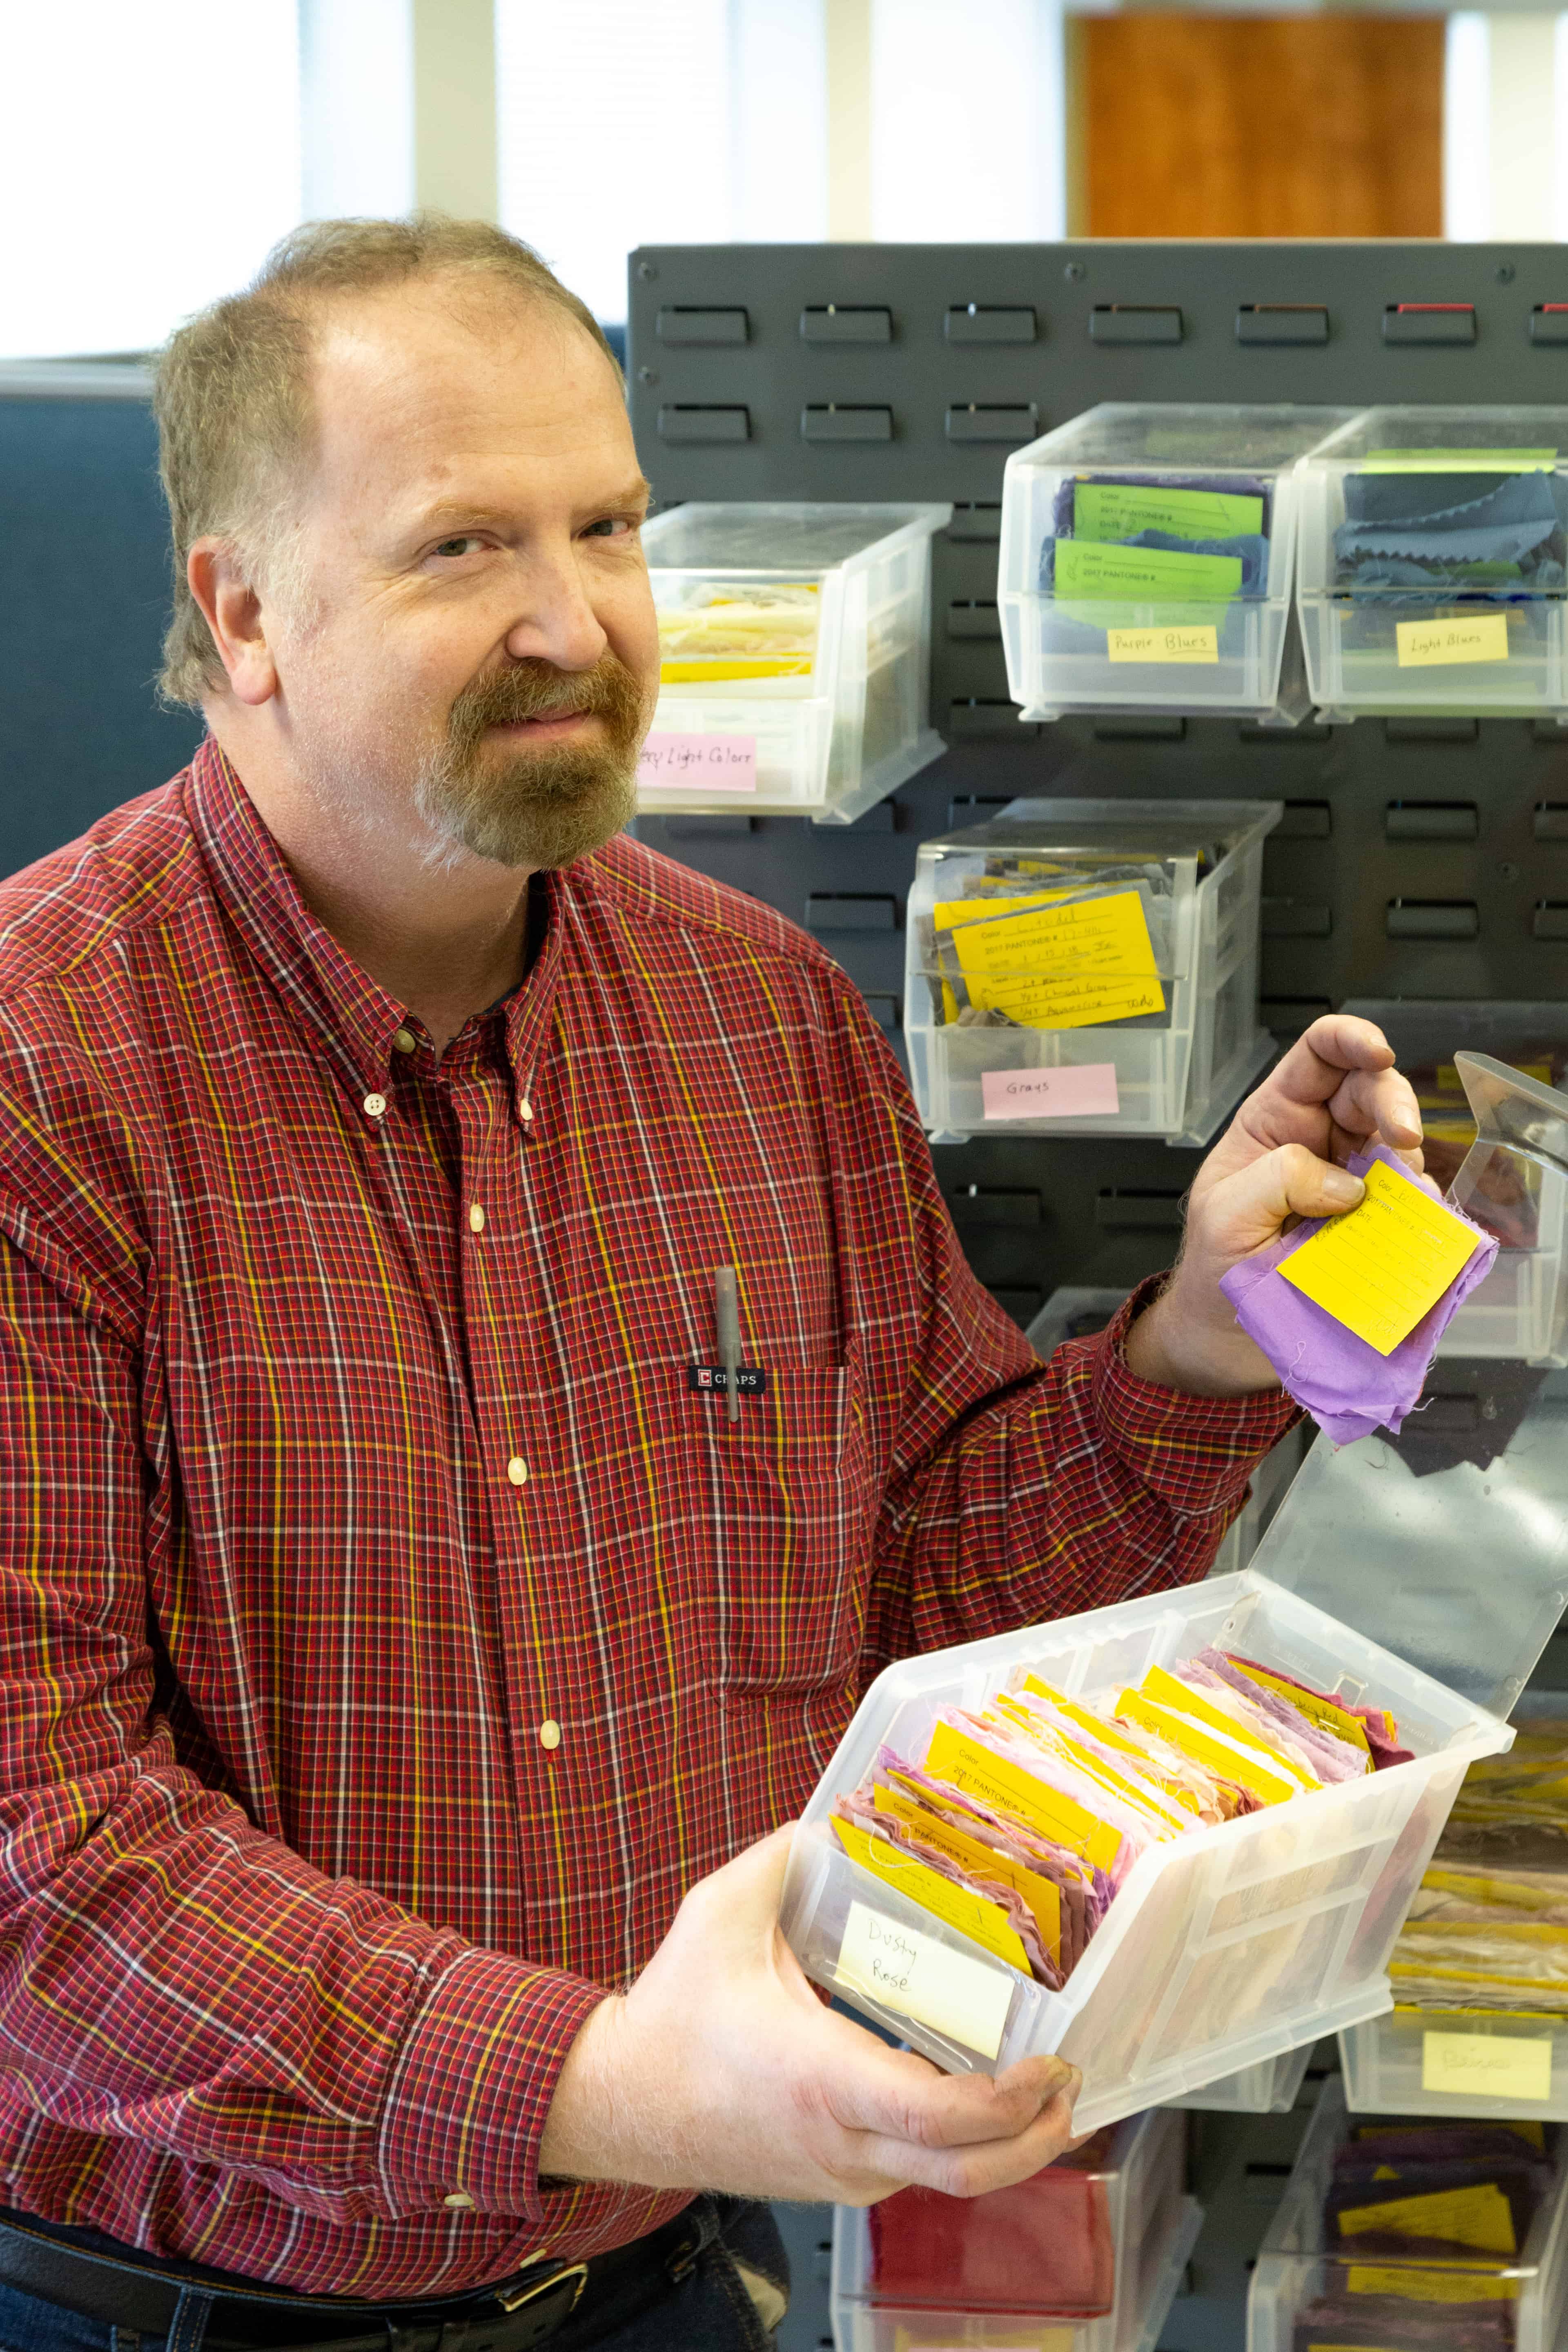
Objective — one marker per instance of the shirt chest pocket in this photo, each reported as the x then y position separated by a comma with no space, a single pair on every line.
777,1521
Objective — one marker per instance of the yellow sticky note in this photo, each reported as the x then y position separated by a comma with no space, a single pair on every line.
1481,2217
1487,2065
1379,1268
985,1922
1435,645
1003,1787
1198,644
916,1977
1063,967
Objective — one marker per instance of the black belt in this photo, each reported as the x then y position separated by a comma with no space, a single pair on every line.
188,2305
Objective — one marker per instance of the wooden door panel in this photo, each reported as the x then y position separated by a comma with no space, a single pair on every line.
1279,126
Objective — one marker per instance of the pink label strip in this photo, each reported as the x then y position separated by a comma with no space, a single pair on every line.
701,763
1089,1092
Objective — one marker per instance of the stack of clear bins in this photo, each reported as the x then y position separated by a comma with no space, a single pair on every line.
1101,2238
1499,1148
1434,562
1307,2289
1088,967
1232,1945
794,647
1467,2059
1148,559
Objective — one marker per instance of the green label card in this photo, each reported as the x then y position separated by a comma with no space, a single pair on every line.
1118,511
1458,461
1144,574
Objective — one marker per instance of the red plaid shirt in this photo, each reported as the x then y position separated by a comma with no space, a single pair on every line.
347,1451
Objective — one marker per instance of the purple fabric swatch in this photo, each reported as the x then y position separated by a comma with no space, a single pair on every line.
1347,1387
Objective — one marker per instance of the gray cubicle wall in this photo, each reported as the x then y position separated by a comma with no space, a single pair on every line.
1417,857
84,597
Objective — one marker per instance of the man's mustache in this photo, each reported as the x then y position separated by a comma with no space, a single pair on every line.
537,690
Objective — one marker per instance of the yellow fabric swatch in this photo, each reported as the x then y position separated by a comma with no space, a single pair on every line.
985,1922
1042,1898
1063,966
1479,2216
1245,1768
717,671
1378,1268
1007,1788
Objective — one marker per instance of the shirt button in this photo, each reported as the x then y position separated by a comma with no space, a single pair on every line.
405,1041
525,1111
517,1471
459,2201
374,1106
550,1733
476,1218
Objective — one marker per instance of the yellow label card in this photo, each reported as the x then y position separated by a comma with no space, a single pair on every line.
1437,645
1166,1690
1198,644
1478,2217
948,913
1043,1899
1064,967
1321,1711
916,1977
1378,1268
1419,2285
1108,1736
1245,1768
1487,2065
1141,1793
1006,1787
985,1922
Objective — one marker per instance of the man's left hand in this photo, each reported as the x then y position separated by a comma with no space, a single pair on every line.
1281,1157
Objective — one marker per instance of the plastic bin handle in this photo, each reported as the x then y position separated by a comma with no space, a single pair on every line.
1519,1114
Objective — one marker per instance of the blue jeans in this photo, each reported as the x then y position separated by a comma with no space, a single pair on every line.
712,2310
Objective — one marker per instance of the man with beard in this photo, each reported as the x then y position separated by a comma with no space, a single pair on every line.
409,1665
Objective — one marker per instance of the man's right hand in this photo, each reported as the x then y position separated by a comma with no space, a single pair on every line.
721,2069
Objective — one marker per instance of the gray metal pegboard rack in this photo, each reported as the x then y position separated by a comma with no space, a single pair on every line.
1417,857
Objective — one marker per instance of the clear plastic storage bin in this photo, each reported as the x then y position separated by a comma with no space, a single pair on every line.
1297,2266
1495,2064
1270,2088
1088,968
1112,2231
1434,547
796,658
1147,559
1414,2062
1514,1181
1233,1944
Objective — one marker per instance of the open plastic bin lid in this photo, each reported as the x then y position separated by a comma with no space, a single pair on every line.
1448,1544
